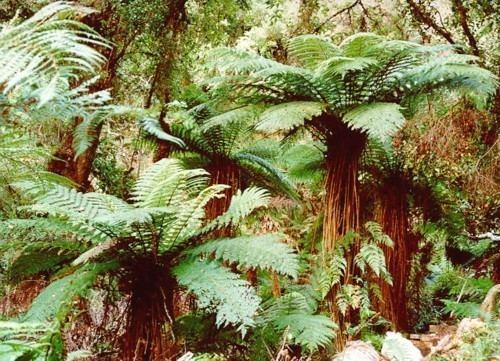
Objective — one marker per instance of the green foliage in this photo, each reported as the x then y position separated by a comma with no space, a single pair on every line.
481,344
265,252
153,127
217,138
288,116
26,341
387,116
47,50
56,299
311,50
221,291
360,82
168,216
293,314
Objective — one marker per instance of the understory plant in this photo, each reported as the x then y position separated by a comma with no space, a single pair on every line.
152,247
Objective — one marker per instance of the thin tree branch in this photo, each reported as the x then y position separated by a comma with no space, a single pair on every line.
423,17
462,14
318,28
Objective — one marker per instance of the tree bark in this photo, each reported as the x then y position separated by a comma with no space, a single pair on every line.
222,172
342,205
462,15
65,161
392,213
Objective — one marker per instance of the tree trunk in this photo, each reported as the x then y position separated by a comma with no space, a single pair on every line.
342,202
222,172
392,213
66,163
150,311
342,205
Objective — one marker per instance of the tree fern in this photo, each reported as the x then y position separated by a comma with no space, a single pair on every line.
366,71
166,218
387,116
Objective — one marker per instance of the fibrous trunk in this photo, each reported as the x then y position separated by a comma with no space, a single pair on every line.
150,311
393,215
222,171
342,201
342,204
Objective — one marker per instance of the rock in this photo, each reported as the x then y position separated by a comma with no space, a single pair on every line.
414,336
398,348
468,325
357,351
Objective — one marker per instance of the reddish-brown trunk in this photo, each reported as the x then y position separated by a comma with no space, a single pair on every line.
68,165
342,203
222,172
150,312
393,215
65,162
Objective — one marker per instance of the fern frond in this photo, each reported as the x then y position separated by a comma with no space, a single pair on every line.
379,120
234,61
287,116
372,256
167,182
241,116
262,171
349,296
69,201
361,44
189,218
95,251
340,65
310,50
266,252
55,299
242,205
309,331
24,340
292,313
221,291
46,50
377,234
152,126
